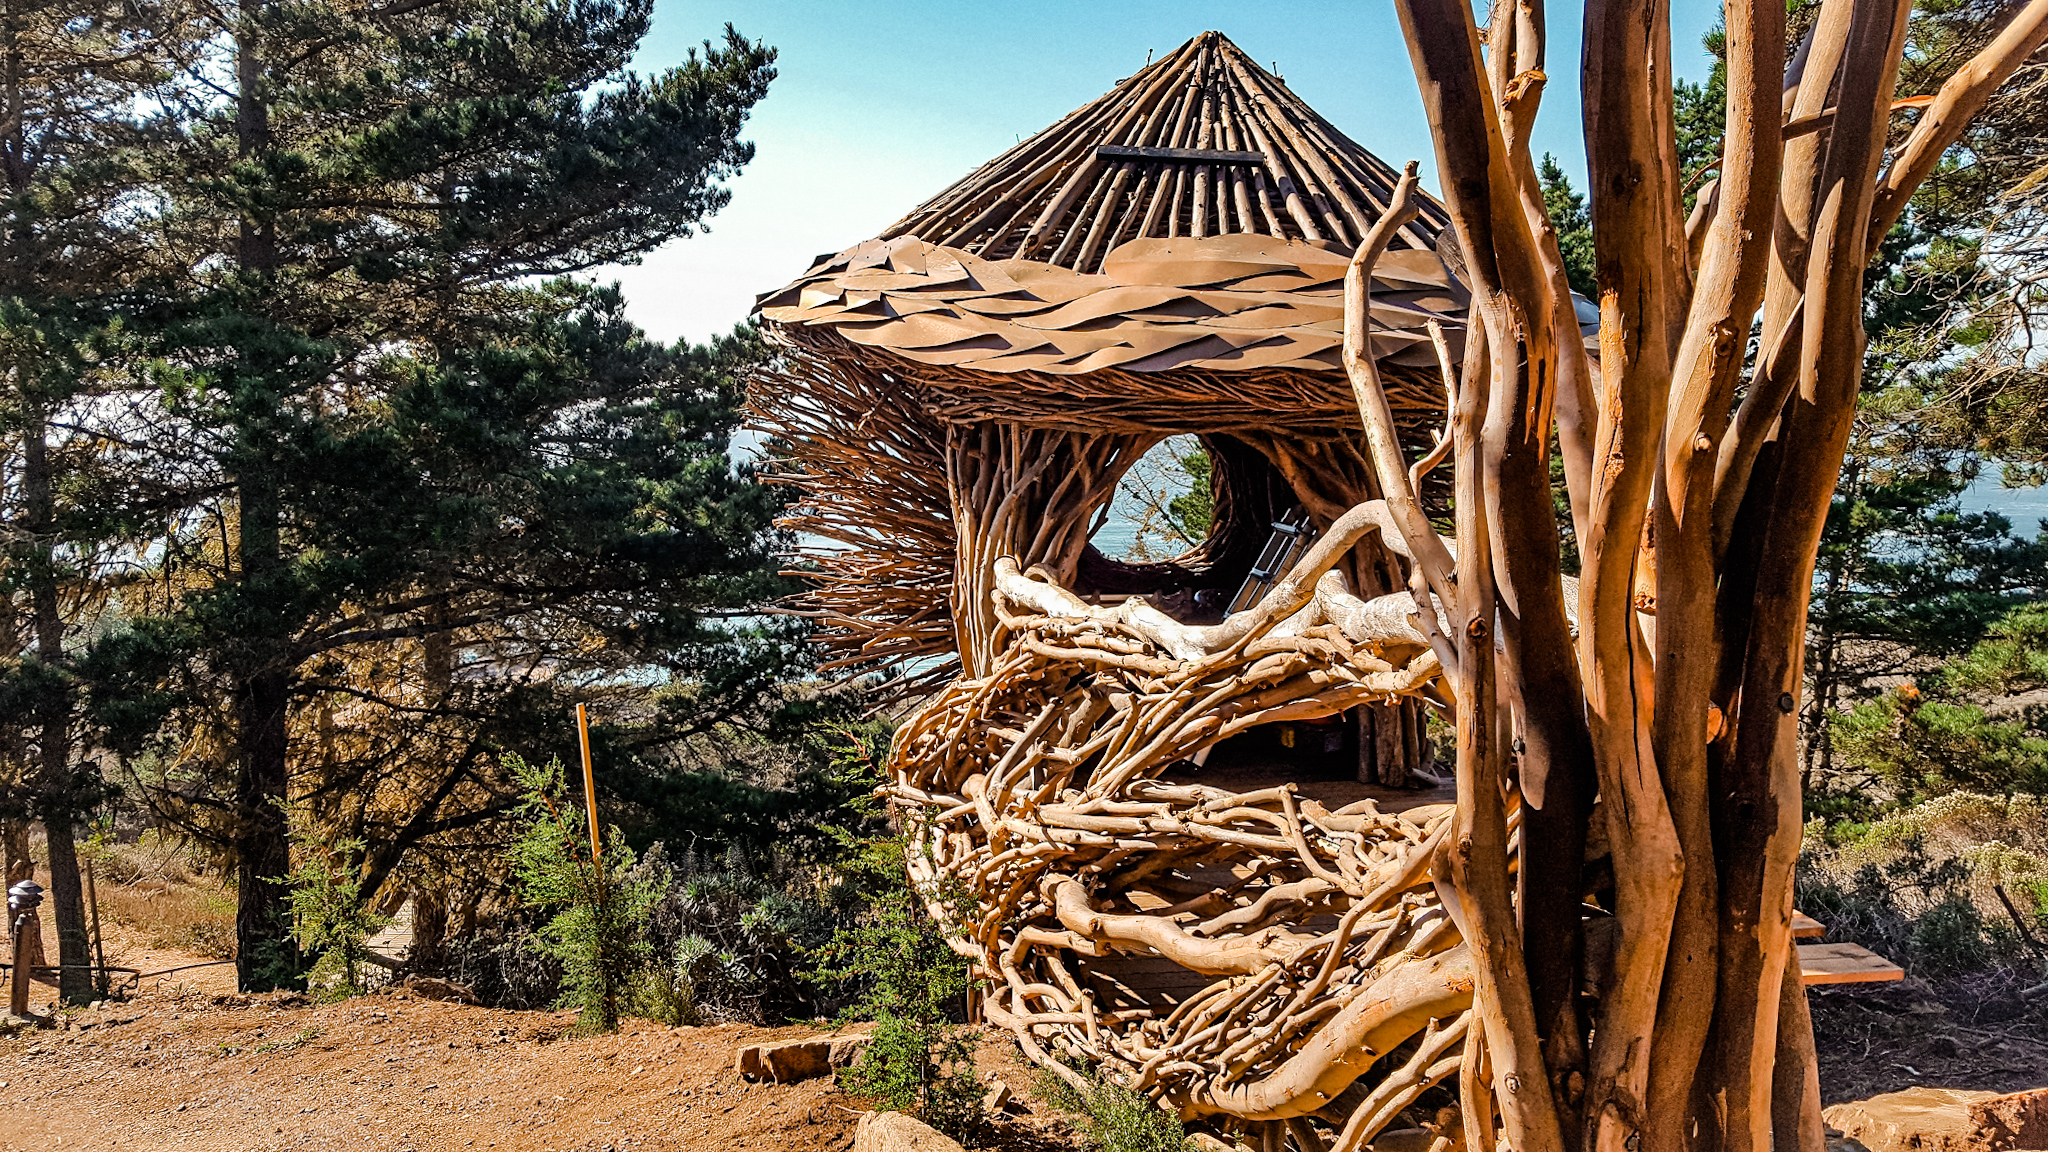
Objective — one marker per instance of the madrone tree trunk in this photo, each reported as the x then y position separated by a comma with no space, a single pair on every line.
1627,761
1700,464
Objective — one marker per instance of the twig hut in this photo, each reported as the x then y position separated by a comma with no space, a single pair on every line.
959,399
1167,259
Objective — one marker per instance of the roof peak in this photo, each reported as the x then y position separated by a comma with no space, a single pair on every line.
1201,142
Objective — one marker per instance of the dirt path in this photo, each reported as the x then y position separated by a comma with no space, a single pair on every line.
186,1070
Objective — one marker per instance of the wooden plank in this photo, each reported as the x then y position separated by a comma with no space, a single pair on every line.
1805,927
1201,155
1845,964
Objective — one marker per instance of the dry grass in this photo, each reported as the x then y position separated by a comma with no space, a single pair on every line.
183,917
154,887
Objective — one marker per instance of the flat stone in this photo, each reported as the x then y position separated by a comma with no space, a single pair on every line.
793,1060
895,1132
432,988
996,1098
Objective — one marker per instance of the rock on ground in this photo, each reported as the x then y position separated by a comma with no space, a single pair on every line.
794,1060
1945,1120
895,1132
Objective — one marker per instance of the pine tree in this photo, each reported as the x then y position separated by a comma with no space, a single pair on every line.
1567,209
72,131
1905,578
383,429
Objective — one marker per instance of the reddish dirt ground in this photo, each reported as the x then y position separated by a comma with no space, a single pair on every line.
189,1066
182,1069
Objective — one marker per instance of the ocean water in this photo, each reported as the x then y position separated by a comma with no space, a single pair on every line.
1120,531
2025,507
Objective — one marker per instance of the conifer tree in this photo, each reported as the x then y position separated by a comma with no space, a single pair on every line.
387,428
72,133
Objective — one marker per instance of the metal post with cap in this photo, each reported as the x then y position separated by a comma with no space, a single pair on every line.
22,901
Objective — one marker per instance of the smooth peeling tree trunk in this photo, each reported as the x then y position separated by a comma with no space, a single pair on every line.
1698,531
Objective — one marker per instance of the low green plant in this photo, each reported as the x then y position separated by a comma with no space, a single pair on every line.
1058,1092
910,983
599,932
676,993
296,1040
1880,886
1113,1118
330,918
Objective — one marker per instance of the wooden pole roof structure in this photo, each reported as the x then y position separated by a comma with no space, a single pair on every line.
1168,258
1203,142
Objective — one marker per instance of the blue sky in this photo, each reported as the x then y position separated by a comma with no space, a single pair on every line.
881,105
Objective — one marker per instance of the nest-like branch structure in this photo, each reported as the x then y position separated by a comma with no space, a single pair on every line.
1255,958
887,460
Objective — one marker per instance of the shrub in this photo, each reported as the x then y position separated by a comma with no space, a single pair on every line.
677,993
909,981
505,965
753,923
598,935
1114,1118
329,919
1959,728
1883,886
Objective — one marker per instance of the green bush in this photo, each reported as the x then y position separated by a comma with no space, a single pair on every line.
1114,1118
910,984
676,993
1880,886
329,916
754,923
1948,939
1946,733
599,933
906,978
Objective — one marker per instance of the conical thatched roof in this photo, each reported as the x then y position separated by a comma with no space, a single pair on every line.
1201,143
973,382
1198,218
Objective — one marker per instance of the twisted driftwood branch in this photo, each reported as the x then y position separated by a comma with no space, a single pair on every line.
1244,956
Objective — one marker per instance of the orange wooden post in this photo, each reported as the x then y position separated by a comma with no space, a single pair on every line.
589,782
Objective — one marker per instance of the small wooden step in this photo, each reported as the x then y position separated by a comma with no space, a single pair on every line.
1805,927
1845,964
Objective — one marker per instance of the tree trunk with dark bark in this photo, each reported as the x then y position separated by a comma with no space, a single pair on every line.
265,956
55,790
